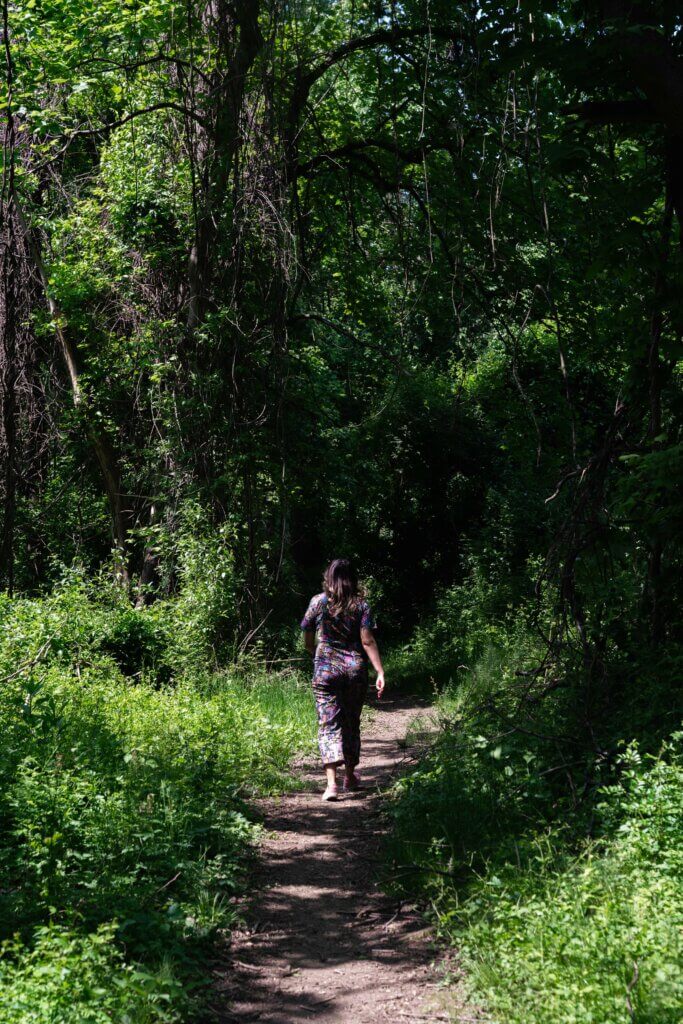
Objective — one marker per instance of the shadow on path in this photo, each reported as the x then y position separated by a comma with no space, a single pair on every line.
322,942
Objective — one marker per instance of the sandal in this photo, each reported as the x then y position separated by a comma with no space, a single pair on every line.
352,783
330,793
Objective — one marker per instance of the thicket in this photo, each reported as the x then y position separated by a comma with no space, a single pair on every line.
124,782
554,867
564,906
543,828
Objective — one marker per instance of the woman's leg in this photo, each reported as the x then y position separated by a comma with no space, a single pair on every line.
351,707
329,713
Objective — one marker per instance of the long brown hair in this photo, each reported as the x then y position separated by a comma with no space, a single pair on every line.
340,583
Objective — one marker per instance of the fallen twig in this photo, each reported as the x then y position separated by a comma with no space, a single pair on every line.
318,1002
170,882
246,967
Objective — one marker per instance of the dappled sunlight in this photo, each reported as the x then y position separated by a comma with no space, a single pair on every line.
321,937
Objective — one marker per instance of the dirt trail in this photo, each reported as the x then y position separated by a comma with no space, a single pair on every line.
322,942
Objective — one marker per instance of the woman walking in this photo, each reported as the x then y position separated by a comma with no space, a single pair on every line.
344,623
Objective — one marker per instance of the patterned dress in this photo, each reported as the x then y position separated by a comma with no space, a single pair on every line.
340,678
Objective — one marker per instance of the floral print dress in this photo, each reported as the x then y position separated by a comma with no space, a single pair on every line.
340,678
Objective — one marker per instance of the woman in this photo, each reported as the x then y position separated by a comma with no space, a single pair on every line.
344,624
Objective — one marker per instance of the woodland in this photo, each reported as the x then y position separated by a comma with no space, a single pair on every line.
283,281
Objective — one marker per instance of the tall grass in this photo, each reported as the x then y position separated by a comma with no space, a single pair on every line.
559,877
124,827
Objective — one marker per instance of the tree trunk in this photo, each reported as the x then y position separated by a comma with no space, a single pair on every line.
236,28
100,443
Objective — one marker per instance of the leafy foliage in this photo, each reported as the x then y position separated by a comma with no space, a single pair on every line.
555,872
125,835
284,281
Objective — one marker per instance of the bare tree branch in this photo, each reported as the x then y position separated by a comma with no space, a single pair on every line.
165,105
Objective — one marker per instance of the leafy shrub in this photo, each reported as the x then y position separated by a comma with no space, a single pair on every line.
122,804
467,626
201,621
565,910
136,644
68,978
593,936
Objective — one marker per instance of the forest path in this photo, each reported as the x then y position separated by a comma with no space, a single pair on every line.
322,942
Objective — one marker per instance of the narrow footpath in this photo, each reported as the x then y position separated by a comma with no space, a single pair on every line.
322,942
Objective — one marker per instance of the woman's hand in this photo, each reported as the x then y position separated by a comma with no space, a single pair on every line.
372,650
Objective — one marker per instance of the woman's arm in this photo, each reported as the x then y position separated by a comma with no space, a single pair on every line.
309,640
370,644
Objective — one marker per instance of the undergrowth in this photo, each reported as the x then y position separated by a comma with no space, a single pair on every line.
123,780
554,867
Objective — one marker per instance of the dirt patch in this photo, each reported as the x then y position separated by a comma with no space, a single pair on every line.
322,942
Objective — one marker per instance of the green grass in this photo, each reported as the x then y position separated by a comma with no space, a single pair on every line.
565,911
580,936
125,835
